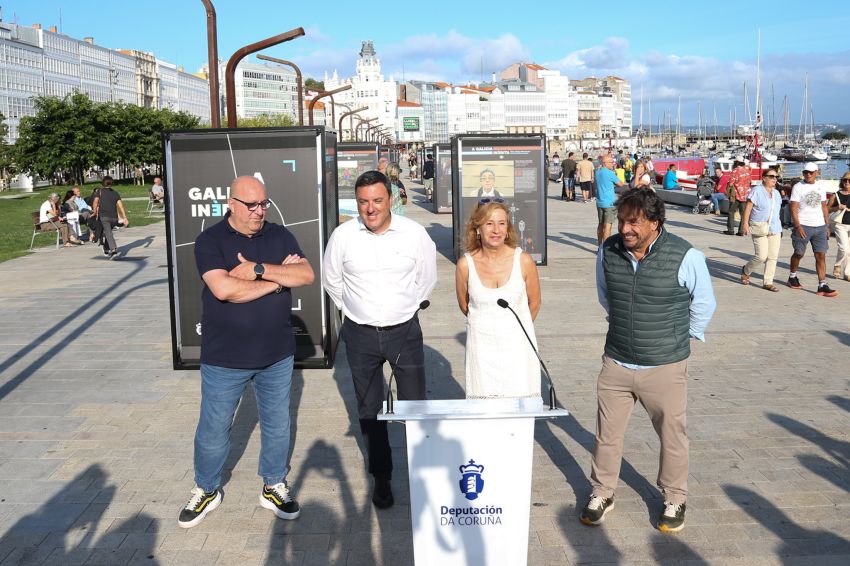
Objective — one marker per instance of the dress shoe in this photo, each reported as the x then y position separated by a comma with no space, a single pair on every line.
382,493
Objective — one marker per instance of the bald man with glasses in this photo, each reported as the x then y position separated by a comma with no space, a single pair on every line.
248,266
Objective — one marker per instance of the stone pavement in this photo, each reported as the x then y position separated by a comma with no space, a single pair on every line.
96,428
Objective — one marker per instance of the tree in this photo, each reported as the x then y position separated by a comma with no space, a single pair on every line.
65,135
266,121
835,135
313,84
6,158
72,134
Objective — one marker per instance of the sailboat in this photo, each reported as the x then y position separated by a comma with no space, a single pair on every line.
754,156
806,147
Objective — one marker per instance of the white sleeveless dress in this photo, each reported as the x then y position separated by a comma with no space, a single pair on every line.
499,361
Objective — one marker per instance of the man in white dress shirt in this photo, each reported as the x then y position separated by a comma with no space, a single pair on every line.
377,269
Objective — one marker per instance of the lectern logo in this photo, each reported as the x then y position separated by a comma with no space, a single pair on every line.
471,482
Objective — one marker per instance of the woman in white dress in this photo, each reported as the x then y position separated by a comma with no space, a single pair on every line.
499,360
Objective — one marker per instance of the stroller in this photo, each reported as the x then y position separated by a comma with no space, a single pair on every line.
705,187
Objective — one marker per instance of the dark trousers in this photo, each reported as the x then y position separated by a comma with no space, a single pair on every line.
108,238
367,349
735,205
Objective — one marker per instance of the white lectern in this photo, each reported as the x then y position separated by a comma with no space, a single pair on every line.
469,462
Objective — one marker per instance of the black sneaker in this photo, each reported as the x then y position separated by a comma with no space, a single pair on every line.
277,499
594,512
382,493
672,519
825,291
794,283
199,505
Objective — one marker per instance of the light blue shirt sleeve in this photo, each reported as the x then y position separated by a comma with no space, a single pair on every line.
693,274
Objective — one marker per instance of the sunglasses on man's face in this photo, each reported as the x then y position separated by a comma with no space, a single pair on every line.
770,176
485,200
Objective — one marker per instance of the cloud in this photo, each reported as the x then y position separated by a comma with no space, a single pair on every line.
668,77
452,57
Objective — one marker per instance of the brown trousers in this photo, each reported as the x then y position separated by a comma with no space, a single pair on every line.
663,392
63,230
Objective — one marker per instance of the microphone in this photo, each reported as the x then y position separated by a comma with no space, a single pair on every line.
553,401
422,306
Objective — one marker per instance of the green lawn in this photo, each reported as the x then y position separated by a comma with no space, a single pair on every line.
16,223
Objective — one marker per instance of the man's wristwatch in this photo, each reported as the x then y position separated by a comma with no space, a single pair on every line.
259,270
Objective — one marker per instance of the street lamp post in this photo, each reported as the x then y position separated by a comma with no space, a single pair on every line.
212,57
351,122
230,70
362,121
324,94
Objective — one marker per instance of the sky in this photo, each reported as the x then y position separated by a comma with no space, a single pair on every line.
701,54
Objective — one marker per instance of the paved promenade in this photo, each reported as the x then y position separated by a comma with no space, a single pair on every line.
96,428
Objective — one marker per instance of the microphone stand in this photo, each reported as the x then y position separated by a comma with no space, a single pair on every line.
553,401
422,306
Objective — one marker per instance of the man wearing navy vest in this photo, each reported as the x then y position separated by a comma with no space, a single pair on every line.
657,292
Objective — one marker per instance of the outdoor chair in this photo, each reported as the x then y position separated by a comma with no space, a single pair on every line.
154,206
38,229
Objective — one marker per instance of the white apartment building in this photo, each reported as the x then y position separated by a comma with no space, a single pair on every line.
561,105
525,107
38,62
193,95
369,89
410,123
262,88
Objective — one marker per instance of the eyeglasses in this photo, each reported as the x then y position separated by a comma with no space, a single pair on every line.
845,180
485,200
809,172
770,176
252,206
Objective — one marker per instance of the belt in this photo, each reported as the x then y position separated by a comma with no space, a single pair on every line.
382,328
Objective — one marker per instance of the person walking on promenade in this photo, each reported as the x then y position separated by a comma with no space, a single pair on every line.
606,180
248,266
656,290
568,179
811,224
378,268
428,177
737,190
761,220
109,210
838,205
585,171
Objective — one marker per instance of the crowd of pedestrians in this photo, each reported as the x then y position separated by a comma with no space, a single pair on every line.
100,213
760,210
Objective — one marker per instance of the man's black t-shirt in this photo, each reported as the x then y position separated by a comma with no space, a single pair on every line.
428,169
248,335
108,207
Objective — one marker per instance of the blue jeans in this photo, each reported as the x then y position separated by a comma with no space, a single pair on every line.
221,390
715,200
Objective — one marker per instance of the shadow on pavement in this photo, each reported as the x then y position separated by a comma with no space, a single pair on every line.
568,240
66,528
796,541
442,236
82,317
835,469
